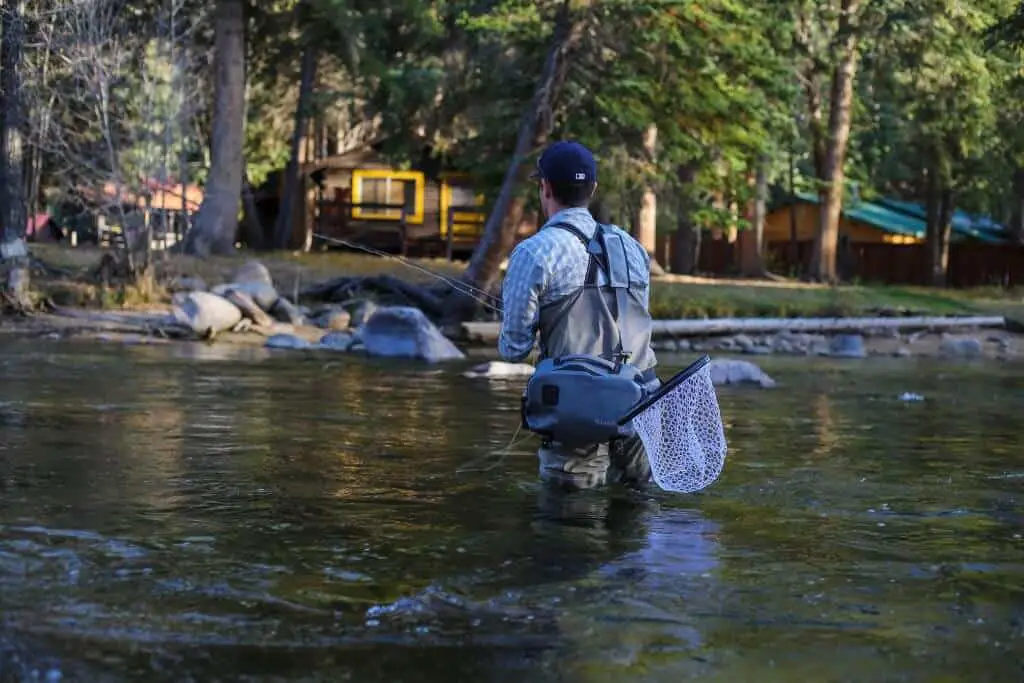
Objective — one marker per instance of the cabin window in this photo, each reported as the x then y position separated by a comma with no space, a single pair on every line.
385,187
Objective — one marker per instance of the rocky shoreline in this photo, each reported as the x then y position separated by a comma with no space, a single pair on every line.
994,345
248,310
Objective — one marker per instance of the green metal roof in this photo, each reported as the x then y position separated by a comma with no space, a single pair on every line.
900,217
884,219
980,228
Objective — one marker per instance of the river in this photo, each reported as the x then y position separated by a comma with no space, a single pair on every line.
197,513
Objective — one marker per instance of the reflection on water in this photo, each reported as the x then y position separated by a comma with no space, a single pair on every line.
190,513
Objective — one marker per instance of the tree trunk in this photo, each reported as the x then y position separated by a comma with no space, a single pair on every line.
647,215
216,223
687,237
1017,220
293,190
506,215
752,254
13,253
823,267
939,213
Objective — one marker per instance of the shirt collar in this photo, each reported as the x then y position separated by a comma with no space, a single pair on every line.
577,216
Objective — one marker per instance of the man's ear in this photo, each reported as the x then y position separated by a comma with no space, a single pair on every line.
545,188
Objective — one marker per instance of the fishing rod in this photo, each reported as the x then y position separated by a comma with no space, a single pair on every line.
479,295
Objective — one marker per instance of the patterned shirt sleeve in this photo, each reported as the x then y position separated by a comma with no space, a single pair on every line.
524,280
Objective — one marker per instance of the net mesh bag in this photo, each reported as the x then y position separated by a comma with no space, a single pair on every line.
683,435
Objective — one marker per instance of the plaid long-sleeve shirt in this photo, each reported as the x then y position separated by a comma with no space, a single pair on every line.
548,266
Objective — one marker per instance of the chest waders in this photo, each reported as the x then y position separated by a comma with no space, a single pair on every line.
596,359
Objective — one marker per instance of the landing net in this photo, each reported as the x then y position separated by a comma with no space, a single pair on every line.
682,431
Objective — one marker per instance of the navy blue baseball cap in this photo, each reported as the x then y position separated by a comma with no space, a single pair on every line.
567,162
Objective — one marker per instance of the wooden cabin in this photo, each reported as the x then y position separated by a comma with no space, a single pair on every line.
359,198
859,223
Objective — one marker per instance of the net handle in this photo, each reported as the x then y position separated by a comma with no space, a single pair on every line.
673,382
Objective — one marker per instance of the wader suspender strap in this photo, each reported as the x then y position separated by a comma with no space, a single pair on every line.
615,266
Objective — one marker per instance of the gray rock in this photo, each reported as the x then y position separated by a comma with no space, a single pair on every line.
738,372
743,341
683,345
668,345
263,294
499,370
253,272
287,312
727,344
952,347
248,307
848,346
287,341
404,332
337,341
903,352
205,312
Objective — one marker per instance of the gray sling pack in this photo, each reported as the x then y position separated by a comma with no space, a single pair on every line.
577,399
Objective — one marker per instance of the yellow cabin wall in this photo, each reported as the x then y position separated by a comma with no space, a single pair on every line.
466,223
777,228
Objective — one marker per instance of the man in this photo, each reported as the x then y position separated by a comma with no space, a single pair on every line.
544,291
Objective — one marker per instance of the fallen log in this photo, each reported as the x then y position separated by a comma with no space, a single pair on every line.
487,332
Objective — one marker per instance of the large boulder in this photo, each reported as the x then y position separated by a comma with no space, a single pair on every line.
205,313
738,372
262,293
253,272
404,332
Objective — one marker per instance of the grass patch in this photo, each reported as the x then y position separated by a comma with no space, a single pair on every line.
732,299
672,297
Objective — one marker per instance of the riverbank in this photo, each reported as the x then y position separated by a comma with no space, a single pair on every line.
673,296
276,302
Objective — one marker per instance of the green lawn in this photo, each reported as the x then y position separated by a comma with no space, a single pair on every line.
736,299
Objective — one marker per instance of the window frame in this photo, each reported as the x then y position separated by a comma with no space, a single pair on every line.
361,174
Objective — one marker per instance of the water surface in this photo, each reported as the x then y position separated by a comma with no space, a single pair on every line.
189,513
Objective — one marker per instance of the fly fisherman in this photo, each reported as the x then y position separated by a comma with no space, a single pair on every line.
557,286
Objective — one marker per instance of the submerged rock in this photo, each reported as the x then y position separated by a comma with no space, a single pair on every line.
497,369
738,372
286,341
337,341
205,313
405,332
